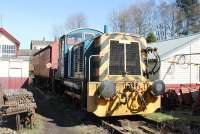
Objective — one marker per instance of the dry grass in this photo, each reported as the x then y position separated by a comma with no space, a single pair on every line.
179,120
177,116
159,117
38,128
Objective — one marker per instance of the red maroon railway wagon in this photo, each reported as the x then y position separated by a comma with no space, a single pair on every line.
45,62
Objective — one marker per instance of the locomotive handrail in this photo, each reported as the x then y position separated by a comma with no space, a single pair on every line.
89,62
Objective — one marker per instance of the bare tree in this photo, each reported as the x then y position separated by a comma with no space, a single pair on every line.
166,26
57,31
120,21
72,22
138,18
188,16
113,18
76,21
195,21
143,17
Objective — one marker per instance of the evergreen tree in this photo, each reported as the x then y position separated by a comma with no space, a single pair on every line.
151,37
186,5
188,14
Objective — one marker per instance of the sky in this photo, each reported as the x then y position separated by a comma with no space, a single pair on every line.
34,19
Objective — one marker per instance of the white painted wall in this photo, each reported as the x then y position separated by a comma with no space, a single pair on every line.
177,73
14,68
5,41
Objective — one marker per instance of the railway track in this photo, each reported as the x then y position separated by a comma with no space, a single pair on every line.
120,125
137,124
140,125
129,126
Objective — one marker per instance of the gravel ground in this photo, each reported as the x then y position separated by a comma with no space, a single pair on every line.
60,116
7,131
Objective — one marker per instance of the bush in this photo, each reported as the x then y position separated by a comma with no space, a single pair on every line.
151,37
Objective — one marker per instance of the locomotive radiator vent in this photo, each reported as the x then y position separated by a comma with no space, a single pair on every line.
81,58
133,59
120,52
116,66
76,51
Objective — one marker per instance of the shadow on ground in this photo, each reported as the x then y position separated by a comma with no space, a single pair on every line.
8,122
58,109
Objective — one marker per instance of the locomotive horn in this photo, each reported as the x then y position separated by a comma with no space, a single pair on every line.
107,89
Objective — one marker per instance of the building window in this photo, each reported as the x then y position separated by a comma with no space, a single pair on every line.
7,50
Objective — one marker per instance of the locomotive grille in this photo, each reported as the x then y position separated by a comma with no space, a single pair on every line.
133,59
76,51
118,57
81,58
116,66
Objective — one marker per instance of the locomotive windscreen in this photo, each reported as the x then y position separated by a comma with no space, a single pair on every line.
133,59
118,57
116,66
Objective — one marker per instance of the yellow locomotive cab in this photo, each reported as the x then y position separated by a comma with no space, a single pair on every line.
124,94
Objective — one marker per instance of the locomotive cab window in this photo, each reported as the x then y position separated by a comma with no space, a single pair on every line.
124,58
89,36
77,37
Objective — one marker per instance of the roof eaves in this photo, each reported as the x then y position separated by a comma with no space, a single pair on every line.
165,55
3,31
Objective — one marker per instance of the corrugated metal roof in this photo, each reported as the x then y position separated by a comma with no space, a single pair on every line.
40,42
168,46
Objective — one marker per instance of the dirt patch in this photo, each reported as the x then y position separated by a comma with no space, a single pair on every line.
59,115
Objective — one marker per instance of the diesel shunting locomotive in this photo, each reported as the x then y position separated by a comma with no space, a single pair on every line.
107,72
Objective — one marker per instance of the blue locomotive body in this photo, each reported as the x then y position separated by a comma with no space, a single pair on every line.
67,48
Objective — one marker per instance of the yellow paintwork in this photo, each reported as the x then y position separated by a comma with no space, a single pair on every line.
113,107
102,107
103,67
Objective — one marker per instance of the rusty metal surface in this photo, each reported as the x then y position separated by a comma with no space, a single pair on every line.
40,61
54,54
45,60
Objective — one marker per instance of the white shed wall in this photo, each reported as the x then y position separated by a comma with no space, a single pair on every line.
5,41
182,72
14,68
